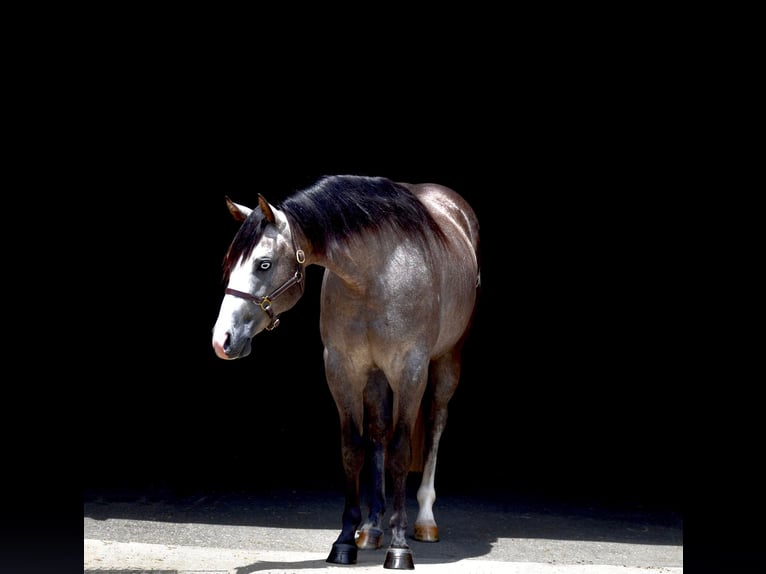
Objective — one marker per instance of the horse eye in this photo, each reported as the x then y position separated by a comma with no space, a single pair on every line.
264,265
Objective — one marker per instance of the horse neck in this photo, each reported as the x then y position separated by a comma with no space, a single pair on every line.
350,260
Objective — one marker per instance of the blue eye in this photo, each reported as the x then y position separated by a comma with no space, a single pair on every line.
264,265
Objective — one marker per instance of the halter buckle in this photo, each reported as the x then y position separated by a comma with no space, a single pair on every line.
265,304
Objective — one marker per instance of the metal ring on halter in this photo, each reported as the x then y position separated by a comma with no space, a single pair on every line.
265,302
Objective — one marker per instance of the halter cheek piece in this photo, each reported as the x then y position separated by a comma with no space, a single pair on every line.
265,302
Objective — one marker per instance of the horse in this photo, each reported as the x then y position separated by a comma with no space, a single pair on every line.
398,297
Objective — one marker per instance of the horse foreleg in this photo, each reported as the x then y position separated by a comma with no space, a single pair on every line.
370,534
377,402
399,555
344,549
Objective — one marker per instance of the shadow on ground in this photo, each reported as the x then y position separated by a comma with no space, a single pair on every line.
470,525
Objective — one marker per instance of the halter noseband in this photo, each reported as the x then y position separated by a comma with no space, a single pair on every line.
265,302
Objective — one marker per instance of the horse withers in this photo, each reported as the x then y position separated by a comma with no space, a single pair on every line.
398,296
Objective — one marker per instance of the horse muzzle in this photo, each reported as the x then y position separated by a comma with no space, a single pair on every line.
225,349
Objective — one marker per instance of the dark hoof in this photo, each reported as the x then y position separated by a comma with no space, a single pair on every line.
342,554
370,539
399,559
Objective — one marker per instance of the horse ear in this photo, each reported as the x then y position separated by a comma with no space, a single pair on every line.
238,211
266,209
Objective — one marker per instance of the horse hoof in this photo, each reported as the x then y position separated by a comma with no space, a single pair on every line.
426,533
342,554
370,539
399,559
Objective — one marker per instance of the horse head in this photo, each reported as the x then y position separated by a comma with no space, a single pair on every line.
264,270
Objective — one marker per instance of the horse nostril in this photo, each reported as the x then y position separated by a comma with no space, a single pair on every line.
222,348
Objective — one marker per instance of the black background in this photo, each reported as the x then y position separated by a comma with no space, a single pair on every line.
570,387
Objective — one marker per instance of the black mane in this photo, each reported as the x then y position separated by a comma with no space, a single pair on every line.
339,207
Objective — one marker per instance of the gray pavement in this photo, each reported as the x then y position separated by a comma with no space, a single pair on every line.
292,531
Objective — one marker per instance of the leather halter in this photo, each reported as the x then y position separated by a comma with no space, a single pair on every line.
265,302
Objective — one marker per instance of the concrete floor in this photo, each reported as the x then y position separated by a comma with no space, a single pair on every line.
292,531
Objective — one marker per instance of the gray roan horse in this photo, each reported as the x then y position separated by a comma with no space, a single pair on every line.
398,297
